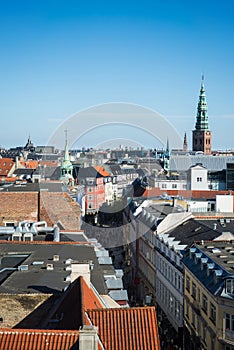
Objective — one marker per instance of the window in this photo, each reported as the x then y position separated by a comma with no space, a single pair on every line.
193,318
188,284
194,290
229,286
176,279
204,303
213,313
229,322
199,179
187,309
179,282
198,296
164,185
204,332
90,189
90,196
174,185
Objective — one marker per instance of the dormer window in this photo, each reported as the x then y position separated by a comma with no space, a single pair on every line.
229,285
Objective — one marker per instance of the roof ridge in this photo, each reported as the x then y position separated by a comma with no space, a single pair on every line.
29,330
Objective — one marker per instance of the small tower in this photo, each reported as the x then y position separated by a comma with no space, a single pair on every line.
185,144
166,158
66,166
202,136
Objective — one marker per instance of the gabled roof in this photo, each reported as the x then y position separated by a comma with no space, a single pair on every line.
126,329
34,339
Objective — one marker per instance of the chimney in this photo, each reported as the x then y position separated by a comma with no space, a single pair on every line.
88,338
56,234
215,226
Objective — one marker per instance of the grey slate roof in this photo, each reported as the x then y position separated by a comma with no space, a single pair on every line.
192,230
37,279
213,163
218,259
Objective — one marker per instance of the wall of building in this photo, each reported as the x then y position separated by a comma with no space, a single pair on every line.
225,204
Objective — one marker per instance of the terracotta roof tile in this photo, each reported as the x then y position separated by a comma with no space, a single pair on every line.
29,164
185,193
127,329
102,171
89,300
6,164
29,339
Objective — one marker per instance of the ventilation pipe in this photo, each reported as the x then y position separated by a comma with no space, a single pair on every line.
56,234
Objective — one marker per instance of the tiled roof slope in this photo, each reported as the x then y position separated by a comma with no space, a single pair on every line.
59,207
102,171
6,165
89,299
24,339
127,329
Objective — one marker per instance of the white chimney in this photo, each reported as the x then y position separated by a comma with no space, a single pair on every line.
215,226
88,339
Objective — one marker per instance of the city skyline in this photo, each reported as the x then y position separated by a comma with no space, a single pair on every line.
58,59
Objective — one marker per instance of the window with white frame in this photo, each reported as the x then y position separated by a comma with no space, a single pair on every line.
229,286
229,322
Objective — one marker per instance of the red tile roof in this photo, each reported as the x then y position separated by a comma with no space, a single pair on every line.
127,329
89,300
29,164
208,194
6,164
102,171
32,339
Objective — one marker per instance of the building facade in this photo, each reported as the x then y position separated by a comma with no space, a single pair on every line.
209,295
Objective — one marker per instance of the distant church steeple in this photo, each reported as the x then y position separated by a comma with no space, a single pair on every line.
66,166
185,144
202,136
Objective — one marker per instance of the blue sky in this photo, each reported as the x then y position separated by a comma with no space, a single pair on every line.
60,57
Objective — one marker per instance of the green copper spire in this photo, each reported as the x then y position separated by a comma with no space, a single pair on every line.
66,166
202,111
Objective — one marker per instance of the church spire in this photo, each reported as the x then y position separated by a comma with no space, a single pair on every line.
66,166
202,111
66,152
202,136
185,144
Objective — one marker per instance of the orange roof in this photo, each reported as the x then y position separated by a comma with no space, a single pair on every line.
30,164
185,193
33,339
127,329
89,300
6,165
102,171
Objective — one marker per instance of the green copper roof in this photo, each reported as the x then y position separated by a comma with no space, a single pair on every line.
202,111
